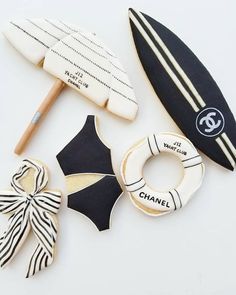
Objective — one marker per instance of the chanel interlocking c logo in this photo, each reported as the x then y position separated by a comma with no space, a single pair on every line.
210,122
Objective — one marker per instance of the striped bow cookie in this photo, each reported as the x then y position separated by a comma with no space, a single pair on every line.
32,208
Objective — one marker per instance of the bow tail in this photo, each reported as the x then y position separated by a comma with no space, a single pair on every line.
39,260
15,235
45,230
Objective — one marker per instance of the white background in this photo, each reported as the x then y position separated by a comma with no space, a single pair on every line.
192,251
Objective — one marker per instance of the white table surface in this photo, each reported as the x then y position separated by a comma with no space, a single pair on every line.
192,251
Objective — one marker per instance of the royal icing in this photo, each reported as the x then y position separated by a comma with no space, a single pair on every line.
31,206
145,198
77,57
91,182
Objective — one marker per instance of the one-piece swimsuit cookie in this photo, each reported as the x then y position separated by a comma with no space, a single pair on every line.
91,182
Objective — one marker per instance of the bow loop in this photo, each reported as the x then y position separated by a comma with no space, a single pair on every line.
10,202
48,201
40,177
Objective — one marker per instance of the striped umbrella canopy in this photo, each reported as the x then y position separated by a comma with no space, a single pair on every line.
77,58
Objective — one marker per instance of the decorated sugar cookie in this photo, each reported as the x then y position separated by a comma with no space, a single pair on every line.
153,202
76,58
186,89
31,207
91,182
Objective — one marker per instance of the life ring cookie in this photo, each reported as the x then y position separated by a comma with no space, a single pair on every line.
153,202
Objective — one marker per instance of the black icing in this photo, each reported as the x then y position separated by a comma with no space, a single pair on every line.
97,201
86,153
171,97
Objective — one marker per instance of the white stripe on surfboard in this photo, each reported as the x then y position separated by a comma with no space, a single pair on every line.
225,151
229,143
173,61
164,64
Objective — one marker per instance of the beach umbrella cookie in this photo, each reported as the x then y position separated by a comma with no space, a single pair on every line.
76,58
157,203
31,207
186,89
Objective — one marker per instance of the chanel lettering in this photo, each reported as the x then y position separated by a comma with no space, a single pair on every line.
145,196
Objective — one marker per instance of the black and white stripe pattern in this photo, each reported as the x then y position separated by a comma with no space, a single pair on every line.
34,210
153,145
192,162
36,36
77,50
176,199
135,186
178,76
227,148
168,61
87,53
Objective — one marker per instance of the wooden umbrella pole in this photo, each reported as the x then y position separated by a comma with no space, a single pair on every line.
41,112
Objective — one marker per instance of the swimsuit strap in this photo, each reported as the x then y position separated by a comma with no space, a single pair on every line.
86,153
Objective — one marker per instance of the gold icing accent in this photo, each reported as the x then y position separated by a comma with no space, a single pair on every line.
146,209
77,182
27,182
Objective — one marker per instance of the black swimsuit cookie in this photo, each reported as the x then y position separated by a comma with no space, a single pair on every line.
91,182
